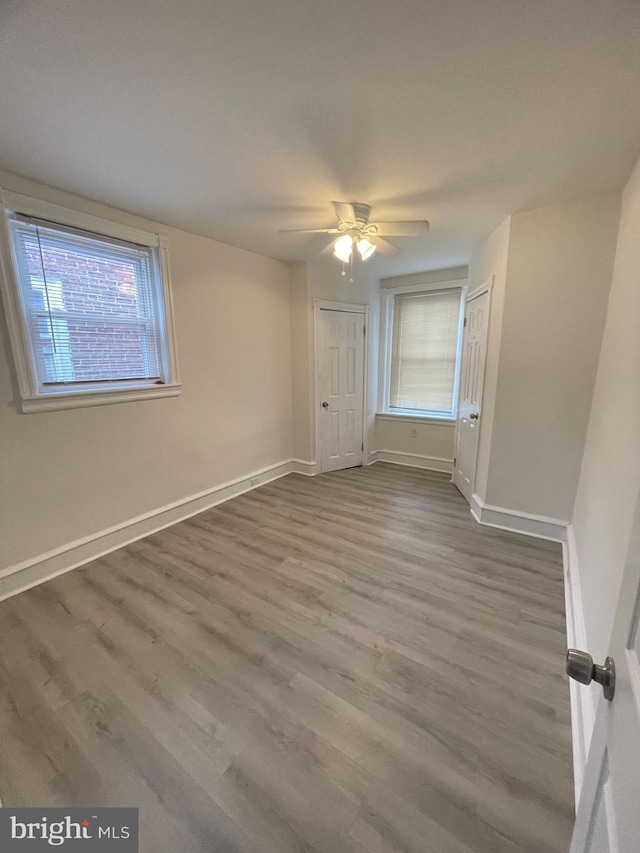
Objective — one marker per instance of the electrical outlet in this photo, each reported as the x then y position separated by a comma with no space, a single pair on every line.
255,481
414,433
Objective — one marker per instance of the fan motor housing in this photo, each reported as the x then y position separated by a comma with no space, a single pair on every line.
362,212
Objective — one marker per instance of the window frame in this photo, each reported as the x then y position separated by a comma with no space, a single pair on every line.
386,348
35,397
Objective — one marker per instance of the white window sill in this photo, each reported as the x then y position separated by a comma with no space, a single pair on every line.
414,418
84,399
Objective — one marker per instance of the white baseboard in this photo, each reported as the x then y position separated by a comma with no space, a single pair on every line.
583,709
539,526
412,460
38,569
475,505
301,466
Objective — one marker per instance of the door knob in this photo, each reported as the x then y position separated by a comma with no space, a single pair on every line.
581,667
473,416
325,405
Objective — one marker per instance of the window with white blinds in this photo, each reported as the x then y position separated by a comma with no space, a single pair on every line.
424,352
92,310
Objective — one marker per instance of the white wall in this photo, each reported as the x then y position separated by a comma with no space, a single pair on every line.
69,474
610,475
489,264
559,269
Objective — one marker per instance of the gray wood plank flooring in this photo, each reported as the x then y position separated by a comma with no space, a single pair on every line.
338,664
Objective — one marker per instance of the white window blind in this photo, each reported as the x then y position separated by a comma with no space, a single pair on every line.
424,351
90,305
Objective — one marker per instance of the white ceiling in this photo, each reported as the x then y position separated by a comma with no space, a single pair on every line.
234,119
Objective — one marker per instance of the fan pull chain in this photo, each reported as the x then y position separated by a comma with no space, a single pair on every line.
351,259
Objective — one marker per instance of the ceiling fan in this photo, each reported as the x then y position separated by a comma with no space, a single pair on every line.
355,230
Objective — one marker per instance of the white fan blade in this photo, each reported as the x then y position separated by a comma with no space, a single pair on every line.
402,229
309,231
384,246
345,212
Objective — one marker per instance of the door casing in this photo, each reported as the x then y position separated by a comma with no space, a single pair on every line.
351,308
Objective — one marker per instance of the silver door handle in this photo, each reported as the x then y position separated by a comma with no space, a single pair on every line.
473,416
325,405
581,667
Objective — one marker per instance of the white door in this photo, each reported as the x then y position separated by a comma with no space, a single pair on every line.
341,389
608,818
474,346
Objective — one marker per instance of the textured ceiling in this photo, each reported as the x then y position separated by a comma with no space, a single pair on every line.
235,119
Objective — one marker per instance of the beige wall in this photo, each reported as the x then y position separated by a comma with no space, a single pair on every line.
326,282
489,264
610,476
427,277
72,473
302,384
434,440
559,268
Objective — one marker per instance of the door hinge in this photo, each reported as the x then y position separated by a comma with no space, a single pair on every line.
455,459
465,323
362,447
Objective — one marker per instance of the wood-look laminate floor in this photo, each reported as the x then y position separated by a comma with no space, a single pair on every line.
337,664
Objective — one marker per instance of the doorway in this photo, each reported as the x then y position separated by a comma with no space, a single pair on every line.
340,383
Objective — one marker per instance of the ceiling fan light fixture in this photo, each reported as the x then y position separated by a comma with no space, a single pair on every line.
343,247
355,230
366,248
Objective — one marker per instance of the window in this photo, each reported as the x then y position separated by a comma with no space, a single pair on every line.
423,332
90,315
